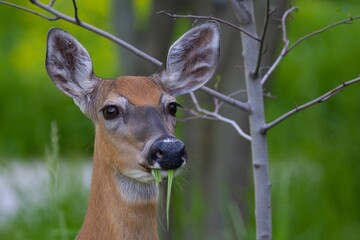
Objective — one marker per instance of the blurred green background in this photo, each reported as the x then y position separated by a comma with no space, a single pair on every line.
314,156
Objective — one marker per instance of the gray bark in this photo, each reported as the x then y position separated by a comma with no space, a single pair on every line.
219,170
245,13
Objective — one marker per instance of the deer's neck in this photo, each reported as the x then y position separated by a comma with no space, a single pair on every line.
119,207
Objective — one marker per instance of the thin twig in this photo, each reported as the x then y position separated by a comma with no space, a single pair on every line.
97,31
196,115
28,10
320,99
243,91
51,3
233,102
219,117
285,47
321,30
175,16
58,15
76,14
262,41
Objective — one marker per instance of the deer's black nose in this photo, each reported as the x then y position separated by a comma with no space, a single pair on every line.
169,153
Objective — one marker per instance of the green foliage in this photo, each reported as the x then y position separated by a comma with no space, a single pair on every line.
28,99
60,212
314,155
59,216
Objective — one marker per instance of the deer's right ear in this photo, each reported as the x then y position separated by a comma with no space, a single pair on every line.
69,66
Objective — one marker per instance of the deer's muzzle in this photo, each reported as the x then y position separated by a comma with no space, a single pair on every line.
169,153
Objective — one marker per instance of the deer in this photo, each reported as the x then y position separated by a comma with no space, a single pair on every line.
134,119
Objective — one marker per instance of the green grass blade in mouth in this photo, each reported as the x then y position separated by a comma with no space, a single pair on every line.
170,180
157,175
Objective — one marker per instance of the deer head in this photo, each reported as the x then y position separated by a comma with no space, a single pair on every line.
134,116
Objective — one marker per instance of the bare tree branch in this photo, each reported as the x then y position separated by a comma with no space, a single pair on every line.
97,31
58,15
231,101
320,99
217,116
52,3
175,16
243,91
321,30
28,10
197,115
285,47
262,41
76,15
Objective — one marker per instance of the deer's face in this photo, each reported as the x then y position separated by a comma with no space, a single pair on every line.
139,118
135,116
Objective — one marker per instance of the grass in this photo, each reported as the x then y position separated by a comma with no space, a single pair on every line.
49,219
168,195
58,212
157,177
297,190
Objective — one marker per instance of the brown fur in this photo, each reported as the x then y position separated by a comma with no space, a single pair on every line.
109,216
139,90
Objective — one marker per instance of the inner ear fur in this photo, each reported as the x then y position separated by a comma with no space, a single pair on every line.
69,66
191,60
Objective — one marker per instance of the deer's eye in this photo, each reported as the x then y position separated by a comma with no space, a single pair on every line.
110,112
172,108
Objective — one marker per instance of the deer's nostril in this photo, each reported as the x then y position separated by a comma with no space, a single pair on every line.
158,154
169,153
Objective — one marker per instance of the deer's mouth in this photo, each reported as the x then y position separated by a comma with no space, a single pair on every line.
162,173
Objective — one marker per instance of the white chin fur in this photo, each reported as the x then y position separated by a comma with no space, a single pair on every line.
134,190
139,175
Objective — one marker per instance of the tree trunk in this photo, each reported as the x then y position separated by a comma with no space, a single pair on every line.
219,170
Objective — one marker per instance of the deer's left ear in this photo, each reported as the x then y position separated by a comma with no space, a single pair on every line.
191,60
